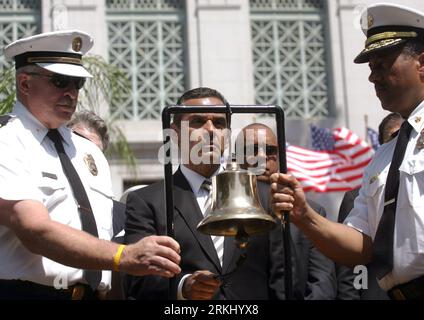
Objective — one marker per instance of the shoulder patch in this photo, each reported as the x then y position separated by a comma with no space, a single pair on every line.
4,119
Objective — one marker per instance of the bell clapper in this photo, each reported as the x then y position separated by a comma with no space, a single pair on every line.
242,238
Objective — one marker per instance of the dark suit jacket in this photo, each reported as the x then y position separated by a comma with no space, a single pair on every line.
118,220
345,275
260,276
313,274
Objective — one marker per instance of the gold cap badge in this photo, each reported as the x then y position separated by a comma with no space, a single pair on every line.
91,164
77,44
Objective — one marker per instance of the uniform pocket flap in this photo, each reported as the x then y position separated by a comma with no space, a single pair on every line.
412,166
49,185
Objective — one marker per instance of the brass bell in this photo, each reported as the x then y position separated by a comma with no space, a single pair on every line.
236,210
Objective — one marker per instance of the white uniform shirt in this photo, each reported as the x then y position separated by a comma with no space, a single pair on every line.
30,169
408,261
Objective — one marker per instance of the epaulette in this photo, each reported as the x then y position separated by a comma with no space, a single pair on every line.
4,119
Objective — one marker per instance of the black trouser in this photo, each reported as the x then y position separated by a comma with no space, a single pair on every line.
412,290
26,290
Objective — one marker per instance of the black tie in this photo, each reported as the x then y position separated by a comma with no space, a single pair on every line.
382,260
88,222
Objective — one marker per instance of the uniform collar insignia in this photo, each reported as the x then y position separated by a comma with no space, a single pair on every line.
420,141
374,178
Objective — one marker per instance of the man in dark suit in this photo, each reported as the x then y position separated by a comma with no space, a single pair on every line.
256,278
345,275
313,273
261,276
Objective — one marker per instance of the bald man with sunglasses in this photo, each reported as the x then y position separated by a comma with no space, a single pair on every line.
314,274
55,186
260,150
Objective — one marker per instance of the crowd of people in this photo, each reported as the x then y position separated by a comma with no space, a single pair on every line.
64,237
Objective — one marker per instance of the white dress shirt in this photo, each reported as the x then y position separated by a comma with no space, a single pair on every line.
30,169
408,258
195,181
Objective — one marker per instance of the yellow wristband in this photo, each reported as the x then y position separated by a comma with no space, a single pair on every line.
117,257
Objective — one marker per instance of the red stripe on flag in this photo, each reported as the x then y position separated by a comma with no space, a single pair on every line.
335,170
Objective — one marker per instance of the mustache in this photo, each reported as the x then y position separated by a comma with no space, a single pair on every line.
66,102
379,86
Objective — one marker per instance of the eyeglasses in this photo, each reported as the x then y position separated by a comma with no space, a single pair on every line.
269,150
61,81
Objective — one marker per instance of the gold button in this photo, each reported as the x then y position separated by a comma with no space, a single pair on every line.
78,292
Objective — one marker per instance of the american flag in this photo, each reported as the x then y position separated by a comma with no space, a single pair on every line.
337,169
322,138
373,138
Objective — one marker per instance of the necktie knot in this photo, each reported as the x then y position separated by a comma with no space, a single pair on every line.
207,185
54,135
405,129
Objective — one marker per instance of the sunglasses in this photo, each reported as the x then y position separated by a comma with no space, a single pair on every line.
61,81
269,150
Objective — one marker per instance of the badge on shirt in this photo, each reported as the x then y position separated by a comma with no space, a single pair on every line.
91,164
420,141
